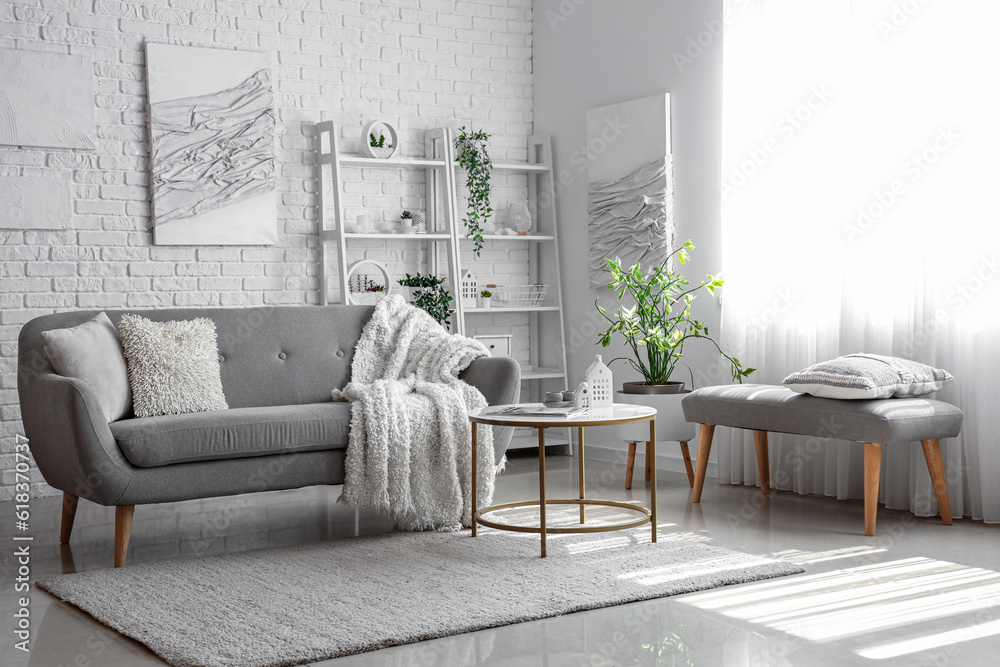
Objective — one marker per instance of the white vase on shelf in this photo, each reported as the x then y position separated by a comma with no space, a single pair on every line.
519,219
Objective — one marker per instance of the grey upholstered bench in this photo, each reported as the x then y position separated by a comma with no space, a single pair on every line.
767,408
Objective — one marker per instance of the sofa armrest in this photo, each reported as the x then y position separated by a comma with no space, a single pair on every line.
499,380
70,439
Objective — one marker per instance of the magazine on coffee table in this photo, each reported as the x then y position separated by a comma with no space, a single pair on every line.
538,410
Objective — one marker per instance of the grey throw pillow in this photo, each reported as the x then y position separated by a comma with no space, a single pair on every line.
860,376
92,353
173,367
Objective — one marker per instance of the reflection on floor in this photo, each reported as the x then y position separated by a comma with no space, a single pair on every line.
917,594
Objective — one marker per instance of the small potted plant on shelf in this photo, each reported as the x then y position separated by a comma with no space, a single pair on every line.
654,319
430,295
406,223
484,298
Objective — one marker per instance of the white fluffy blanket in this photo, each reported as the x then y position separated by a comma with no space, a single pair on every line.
409,452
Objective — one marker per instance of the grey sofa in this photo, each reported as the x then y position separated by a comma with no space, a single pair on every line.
282,430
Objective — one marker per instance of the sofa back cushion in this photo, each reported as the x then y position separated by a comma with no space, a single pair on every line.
282,355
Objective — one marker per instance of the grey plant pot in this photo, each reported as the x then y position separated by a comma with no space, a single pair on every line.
670,423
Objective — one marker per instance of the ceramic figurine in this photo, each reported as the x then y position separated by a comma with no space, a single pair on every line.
599,381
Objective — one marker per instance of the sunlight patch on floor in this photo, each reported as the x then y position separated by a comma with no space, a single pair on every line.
808,557
928,642
858,601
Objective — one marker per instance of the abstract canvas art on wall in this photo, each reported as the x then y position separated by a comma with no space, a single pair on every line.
630,190
46,100
34,202
212,122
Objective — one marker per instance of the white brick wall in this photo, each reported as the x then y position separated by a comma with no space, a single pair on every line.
417,63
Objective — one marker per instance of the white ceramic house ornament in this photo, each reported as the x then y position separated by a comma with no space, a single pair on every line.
469,289
582,394
600,384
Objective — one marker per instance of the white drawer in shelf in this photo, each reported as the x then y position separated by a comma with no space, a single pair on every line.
498,345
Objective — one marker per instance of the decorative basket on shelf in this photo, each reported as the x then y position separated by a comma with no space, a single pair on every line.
520,296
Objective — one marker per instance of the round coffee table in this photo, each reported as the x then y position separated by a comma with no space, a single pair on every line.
613,416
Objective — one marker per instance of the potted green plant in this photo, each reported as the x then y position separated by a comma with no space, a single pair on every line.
430,295
406,223
654,319
485,297
473,157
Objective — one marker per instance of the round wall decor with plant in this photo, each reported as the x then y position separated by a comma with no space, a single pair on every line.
375,144
473,157
430,295
362,288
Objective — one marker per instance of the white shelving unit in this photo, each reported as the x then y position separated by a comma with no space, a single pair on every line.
546,369
439,173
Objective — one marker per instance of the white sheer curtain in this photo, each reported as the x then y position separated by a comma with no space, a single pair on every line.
861,164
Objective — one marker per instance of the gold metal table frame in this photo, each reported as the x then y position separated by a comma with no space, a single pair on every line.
648,514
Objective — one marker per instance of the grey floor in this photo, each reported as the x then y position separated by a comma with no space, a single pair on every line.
917,594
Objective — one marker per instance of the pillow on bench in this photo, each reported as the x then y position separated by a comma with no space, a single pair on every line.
868,376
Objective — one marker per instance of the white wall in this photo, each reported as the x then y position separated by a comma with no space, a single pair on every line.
589,53
417,63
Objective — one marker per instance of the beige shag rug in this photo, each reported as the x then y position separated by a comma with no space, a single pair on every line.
293,605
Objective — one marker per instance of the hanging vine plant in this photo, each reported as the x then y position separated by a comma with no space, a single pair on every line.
472,156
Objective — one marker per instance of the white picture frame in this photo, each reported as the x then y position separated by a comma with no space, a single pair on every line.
213,168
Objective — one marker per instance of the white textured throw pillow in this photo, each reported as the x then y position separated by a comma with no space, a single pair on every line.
860,376
92,353
173,366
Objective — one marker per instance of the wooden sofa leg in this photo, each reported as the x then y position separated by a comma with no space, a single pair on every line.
686,453
123,530
68,516
630,466
763,466
701,464
932,453
873,469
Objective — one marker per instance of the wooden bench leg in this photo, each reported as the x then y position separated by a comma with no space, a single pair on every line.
649,461
932,453
873,468
701,464
123,530
68,516
687,463
763,466
630,466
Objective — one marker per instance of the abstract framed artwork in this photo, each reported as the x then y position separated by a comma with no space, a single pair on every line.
630,184
212,123
46,100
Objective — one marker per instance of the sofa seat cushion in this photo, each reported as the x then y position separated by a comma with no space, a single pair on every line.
229,434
